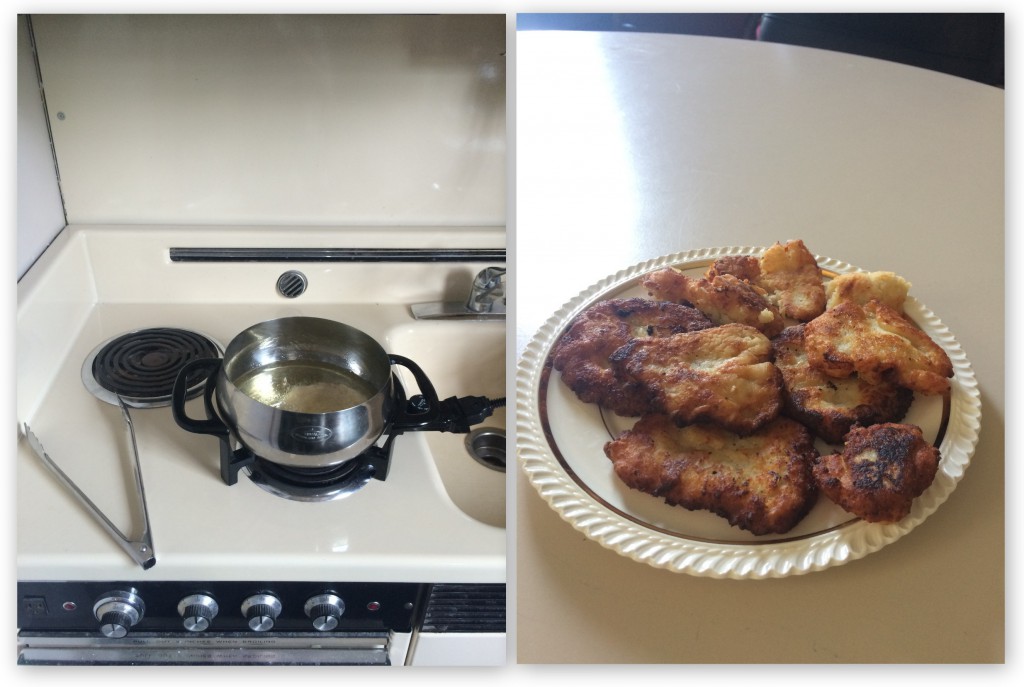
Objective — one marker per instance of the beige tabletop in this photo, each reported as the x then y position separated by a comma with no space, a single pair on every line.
633,146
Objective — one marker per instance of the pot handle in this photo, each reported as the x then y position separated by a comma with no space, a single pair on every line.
411,416
426,413
212,425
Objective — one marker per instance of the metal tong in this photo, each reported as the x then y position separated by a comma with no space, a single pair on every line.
141,550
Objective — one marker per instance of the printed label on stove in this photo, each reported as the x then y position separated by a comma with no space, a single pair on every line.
312,434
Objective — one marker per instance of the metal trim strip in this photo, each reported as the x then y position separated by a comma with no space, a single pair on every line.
293,649
231,254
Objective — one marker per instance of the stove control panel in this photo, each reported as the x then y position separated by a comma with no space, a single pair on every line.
117,609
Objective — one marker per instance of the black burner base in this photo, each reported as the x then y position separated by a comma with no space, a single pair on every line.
306,484
312,485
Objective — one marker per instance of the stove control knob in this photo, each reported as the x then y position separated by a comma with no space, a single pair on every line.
197,611
324,610
260,611
118,612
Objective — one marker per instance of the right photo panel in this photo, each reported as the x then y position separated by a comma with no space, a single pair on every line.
759,338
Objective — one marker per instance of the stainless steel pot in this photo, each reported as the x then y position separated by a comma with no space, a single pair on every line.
308,392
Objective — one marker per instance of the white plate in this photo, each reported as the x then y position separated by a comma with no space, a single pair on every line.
560,442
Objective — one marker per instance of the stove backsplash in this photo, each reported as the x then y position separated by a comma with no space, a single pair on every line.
369,120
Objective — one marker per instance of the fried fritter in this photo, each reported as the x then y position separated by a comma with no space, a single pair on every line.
787,273
790,274
878,344
582,352
861,287
745,267
827,406
761,483
722,376
880,472
724,298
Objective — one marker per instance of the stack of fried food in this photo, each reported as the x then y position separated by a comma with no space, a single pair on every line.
736,373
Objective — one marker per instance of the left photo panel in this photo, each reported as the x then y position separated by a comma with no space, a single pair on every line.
260,340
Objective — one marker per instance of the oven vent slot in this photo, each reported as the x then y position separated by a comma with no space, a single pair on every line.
465,608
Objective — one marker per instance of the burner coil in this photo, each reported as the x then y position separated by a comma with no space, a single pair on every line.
141,366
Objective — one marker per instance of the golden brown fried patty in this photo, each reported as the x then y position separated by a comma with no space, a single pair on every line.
745,267
581,354
787,273
722,375
761,483
827,406
878,344
861,287
724,298
790,274
880,472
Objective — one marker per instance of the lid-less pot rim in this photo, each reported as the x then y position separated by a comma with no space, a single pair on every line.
280,322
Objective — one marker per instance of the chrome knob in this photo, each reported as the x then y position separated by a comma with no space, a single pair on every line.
197,611
118,612
324,610
260,611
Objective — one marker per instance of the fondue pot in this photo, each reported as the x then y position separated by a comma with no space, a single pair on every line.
307,392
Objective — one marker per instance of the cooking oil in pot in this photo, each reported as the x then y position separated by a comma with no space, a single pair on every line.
305,387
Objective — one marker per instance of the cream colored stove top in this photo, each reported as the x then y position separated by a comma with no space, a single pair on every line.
97,283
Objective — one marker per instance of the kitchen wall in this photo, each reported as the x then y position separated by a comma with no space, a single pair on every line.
268,120
40,215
